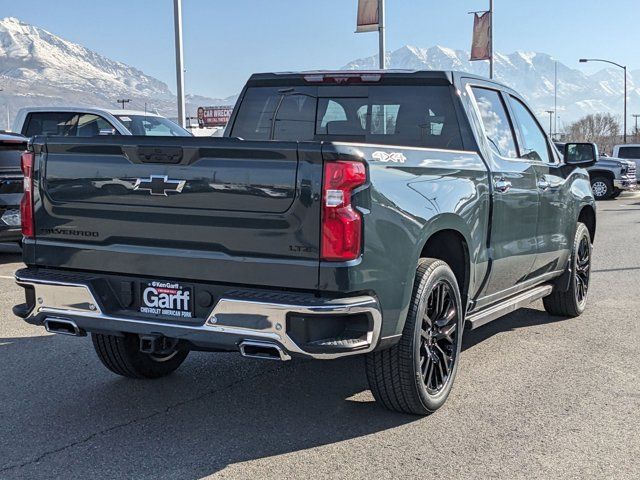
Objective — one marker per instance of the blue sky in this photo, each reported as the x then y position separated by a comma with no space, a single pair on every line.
226,40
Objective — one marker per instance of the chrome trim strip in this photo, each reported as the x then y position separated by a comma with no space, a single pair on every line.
60,299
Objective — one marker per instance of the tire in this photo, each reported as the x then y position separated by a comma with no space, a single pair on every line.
602,188
122,356
616,193
397,375
573,302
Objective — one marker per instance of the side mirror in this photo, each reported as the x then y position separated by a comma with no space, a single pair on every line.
580,154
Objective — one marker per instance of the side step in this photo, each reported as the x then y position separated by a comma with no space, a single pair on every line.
485,316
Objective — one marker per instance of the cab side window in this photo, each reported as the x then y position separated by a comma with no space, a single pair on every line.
533,141
496,122
50,123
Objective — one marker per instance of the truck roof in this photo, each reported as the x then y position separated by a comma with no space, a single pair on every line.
438,75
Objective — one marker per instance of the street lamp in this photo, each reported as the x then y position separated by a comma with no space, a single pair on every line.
624,67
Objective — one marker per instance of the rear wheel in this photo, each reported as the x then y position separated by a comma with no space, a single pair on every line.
416,375
573,302
602,188
122,356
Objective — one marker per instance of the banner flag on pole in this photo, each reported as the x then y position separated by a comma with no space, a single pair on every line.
368,19
481,44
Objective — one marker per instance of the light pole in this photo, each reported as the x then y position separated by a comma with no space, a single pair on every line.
623,67
177,23
635,131
550,112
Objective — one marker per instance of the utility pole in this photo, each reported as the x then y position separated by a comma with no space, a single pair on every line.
177,20
555,100
635,131
123,101
381,36
550,112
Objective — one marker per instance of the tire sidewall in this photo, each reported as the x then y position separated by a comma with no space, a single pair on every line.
427,282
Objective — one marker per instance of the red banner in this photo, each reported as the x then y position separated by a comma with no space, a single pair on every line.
481,44
367,16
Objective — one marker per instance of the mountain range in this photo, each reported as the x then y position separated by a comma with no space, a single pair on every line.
38,68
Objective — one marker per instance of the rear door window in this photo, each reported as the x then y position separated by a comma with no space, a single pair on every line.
393,115
496,122
50,123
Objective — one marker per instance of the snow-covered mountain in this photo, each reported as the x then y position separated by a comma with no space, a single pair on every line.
531,74
38,68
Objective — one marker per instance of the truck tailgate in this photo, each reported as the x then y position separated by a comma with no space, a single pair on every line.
219,210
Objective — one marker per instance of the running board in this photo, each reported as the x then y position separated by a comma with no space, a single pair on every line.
487,315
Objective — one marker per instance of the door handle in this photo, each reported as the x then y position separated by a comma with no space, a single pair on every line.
543,184
502,185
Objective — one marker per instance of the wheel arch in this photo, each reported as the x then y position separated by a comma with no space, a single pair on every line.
451,245
587,216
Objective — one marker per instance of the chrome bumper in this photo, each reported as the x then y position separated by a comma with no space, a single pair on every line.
231,321
625,184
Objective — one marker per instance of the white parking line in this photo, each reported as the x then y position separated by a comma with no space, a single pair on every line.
7,277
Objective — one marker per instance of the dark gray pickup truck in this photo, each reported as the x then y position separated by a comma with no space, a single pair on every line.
375,213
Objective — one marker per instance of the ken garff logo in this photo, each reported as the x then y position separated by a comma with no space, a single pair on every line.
395,157
159,185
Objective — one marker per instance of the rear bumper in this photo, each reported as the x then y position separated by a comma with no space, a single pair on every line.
241,317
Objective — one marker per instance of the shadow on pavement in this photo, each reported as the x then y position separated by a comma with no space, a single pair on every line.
10,258
81,421
71,418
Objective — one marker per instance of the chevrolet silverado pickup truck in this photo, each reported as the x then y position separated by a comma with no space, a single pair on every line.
344,213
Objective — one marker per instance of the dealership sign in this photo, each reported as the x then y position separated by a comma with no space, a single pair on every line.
214,116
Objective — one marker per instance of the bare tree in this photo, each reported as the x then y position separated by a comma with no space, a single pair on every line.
603,129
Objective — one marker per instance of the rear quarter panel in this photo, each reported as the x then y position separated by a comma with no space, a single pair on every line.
405,202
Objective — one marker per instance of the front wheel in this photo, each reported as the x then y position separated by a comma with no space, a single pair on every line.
416,375
602,188
573,302
122,355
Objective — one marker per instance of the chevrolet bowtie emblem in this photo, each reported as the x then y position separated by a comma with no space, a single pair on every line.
159,185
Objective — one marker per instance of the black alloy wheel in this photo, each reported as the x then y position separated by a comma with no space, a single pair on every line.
583,270
438,338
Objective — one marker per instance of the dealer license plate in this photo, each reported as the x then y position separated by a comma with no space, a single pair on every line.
166,298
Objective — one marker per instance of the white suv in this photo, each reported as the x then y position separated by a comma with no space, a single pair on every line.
91,122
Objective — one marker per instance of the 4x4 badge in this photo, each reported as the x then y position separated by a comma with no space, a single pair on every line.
159,185
395,157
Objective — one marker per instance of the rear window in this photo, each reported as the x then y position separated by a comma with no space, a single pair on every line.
421,116
629,152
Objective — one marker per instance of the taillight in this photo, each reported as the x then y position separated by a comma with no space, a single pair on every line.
341,223
26,204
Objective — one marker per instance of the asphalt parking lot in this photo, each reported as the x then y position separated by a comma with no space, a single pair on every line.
536,397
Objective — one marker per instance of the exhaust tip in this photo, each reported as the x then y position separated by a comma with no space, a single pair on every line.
263,351
63,327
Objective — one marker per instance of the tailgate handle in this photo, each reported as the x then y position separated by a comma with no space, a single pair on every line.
160,154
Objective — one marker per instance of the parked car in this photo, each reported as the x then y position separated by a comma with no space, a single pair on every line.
90,122
610,176
629,152
11,148
354,213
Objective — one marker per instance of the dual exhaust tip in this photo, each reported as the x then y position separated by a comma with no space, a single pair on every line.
248,348
263,350
63,326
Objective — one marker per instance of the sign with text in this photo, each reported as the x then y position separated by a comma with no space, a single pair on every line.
214,116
